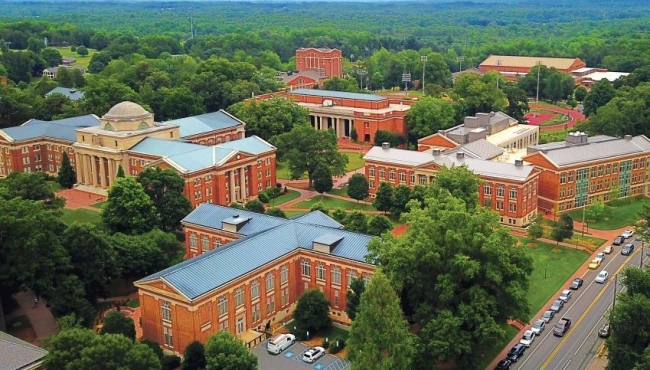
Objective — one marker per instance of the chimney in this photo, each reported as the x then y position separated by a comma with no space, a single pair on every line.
460,155
628,137
385,145
577,138
214,155
519,162
436,152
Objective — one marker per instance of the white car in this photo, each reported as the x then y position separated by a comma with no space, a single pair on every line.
313,354
608,249
601,277
565,295
528,338
600,256
538,327
627,234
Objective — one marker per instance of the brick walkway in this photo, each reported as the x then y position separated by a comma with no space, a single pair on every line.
42,320
76,199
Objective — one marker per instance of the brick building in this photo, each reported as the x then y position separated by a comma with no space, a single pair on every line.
324,60
508,188
513,67
250,270
583,169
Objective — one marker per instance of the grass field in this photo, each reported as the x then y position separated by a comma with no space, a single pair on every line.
330,332
624,212
551,136
70,216
333,203
54,186
290,195
99,205
81,61
291,214
557,120
355,162
343,192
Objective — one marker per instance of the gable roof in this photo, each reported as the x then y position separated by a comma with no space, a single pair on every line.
252,144
337,94
480,149
528,62
72,94
318,218
204,123
63,129
398,156
16,354
204,273
500,170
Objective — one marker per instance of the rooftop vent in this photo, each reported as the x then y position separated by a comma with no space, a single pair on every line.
628,137
385,145
460,155
436,152
519,162
577,138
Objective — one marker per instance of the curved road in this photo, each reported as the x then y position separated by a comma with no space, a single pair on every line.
587,309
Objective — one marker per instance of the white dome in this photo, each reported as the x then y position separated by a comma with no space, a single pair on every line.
126,110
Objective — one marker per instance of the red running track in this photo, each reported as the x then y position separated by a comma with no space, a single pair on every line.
574,117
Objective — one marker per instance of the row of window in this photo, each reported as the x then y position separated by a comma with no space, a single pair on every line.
205,243
603,170
601,185
26,149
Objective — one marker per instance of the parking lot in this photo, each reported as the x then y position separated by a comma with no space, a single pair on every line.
291,359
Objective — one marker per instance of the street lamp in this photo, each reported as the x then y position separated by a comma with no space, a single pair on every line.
361,72
539,63
460,63
423,58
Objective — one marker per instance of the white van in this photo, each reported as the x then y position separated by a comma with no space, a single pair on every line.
280,342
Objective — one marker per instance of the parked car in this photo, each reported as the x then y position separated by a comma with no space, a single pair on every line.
561,327
539,326
548,316
528,338
627,234
565,295
503,364
608,249
627,249
557,305
594,264
604,331
313,354
516,352
619,240
279,343
576,283
600,256
601,277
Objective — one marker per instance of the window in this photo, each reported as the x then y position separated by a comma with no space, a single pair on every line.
412,177
284,297
593,171
402,176
320,271
381,173
571,175
270,281
168,336
366,279
306,268
193,241
601,169
562,178
24,149
391,175
336,298
26,160
270,304
223,305
208,178
487,189
512,207
240,325
284,275
255,289
37,147
336,275
513,193
239,297
500,190
166,311
350,276
256,316
205,244
371,171
423,180
223,326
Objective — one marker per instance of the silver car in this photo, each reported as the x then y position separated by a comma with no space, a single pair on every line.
601,277
548,316
538,327
557,305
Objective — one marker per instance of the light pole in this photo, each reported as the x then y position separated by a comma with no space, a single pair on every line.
361,72
423,58
460,63
539,63
615,284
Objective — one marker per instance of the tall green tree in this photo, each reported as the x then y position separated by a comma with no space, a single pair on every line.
179,102
116,323
323,179
129,209
580,93
384,197
224,351
141,255
120,171
305,148
401,196
378,224
358,187
52,57
271,117
353,296
459,272
356,221
428,115
477,93
67,176
599,95
255,205
379,337
65,346
460,182
194,357
536,228
312,312
517,102
166,189
31,186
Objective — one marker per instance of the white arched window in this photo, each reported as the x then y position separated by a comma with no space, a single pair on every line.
166,311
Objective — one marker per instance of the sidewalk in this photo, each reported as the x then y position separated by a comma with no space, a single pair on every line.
40,317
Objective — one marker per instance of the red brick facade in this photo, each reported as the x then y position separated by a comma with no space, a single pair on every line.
328,60
34,155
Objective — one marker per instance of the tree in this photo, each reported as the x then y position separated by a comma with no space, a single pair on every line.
67,176
596,211
378,225
271,117
319,206
255,205
563,228
356,221
601,93
479,93
120,171
323,179
128,209
179,102
306,148
52,57
82,51
353,134
580,93
353,296
312,311
141,255
379,337
35,45
65,346
166,189
383,136
358,187
384,197
93,259
194,357
31,186
517,103
226,352
428,115
401,196
536,228
460,182
116,323
67,296
451,265
276,211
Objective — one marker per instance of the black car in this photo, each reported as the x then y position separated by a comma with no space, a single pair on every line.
604,331
503,364
627,249
576,283
516,352
562,327
619,240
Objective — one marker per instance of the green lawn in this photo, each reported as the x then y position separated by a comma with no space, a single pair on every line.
355,161
291,214
333,203
70,216
331,332
552,136
343,192
99,205
290,195
557,120
282,171
624,212
54,186
81,61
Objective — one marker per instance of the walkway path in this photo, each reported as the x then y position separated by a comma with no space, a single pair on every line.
42,320
77,199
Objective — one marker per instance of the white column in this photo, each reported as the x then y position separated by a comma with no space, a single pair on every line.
111,172
93,171
102,172
233,196
242,183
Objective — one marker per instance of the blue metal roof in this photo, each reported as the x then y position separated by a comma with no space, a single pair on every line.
203,157
162,147
212,216
190,126
72,94
318,218
209,271
327,239
63,129
338,94
253,145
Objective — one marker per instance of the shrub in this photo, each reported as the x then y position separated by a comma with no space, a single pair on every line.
337,345
171,362
325,344
263,197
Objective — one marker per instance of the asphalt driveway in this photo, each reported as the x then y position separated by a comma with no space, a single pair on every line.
291,359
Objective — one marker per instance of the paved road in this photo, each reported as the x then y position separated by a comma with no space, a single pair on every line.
587,310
